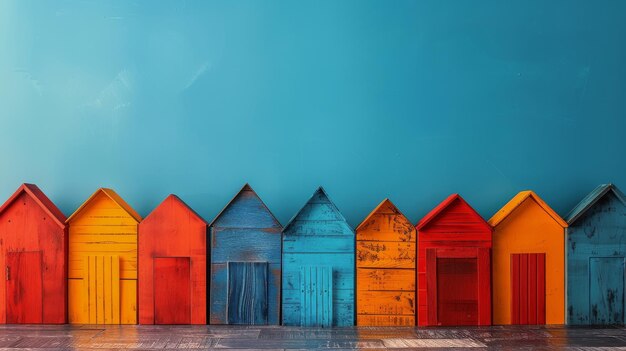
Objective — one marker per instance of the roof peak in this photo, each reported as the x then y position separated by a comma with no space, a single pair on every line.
592,198
40,198
516,201
111,194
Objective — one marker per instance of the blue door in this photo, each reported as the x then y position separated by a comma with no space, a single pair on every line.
247,293
316,298
606,295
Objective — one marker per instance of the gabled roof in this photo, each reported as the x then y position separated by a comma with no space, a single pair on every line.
113,196
442,206
591,199
385,202
41,199
245,187
179,201
517,200
322,192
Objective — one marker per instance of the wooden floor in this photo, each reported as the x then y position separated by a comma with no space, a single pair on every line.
285,338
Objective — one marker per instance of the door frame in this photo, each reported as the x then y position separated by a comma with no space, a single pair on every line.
483,270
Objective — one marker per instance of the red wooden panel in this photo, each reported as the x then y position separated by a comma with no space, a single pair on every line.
24,286
541,288
515,289
484,286
431,285
532,289
523,289
172,290
457,291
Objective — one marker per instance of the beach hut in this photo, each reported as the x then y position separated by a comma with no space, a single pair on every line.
385,268
528,262
172,265
454,269
33,253
245,263
103,261
318,266
596,247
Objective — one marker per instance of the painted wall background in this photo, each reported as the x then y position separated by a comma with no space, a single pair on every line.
414,101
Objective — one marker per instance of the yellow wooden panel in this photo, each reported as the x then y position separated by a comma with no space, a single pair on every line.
76,301
115,291
104,229
100,301
129,249
128,301
386,302
385,254
385,320
96,239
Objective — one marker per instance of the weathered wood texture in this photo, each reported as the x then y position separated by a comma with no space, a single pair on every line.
33,252
596,247
454,266
386,268
245,231
528,288
102,272
316,240
173,231
527,225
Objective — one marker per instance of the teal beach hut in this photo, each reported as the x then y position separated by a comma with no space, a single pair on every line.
318,266
245,263
596,247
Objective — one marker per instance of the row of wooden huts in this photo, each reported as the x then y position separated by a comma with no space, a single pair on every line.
106,265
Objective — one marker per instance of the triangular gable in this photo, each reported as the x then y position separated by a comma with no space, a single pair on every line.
516,201
179,201
113,196
435,212
320,192
41,199
246,187
592,198
384,204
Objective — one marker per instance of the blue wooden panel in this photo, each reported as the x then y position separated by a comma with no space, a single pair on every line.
245,231
607,290
245,244
597,229
247,293
316,295
318,235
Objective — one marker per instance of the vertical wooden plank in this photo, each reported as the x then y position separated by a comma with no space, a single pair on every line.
541,288
100,298
532,288
523,298
515,289
172,290
106,294
115,290
431,285
247,293
93,291
484,286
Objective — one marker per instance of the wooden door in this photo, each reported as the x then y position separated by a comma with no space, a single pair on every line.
247,293
606,294
528,288
457,291
24,287
172,290
102,285
316,298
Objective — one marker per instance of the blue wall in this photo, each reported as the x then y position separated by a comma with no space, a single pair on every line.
411,100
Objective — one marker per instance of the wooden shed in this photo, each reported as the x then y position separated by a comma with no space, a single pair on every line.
173,265
454,267
596,247
103,261
385,268
245,263
318,266
33,254
528,270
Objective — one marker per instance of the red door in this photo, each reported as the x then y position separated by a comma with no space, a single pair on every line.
172,290
24,287
457,291
528,288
